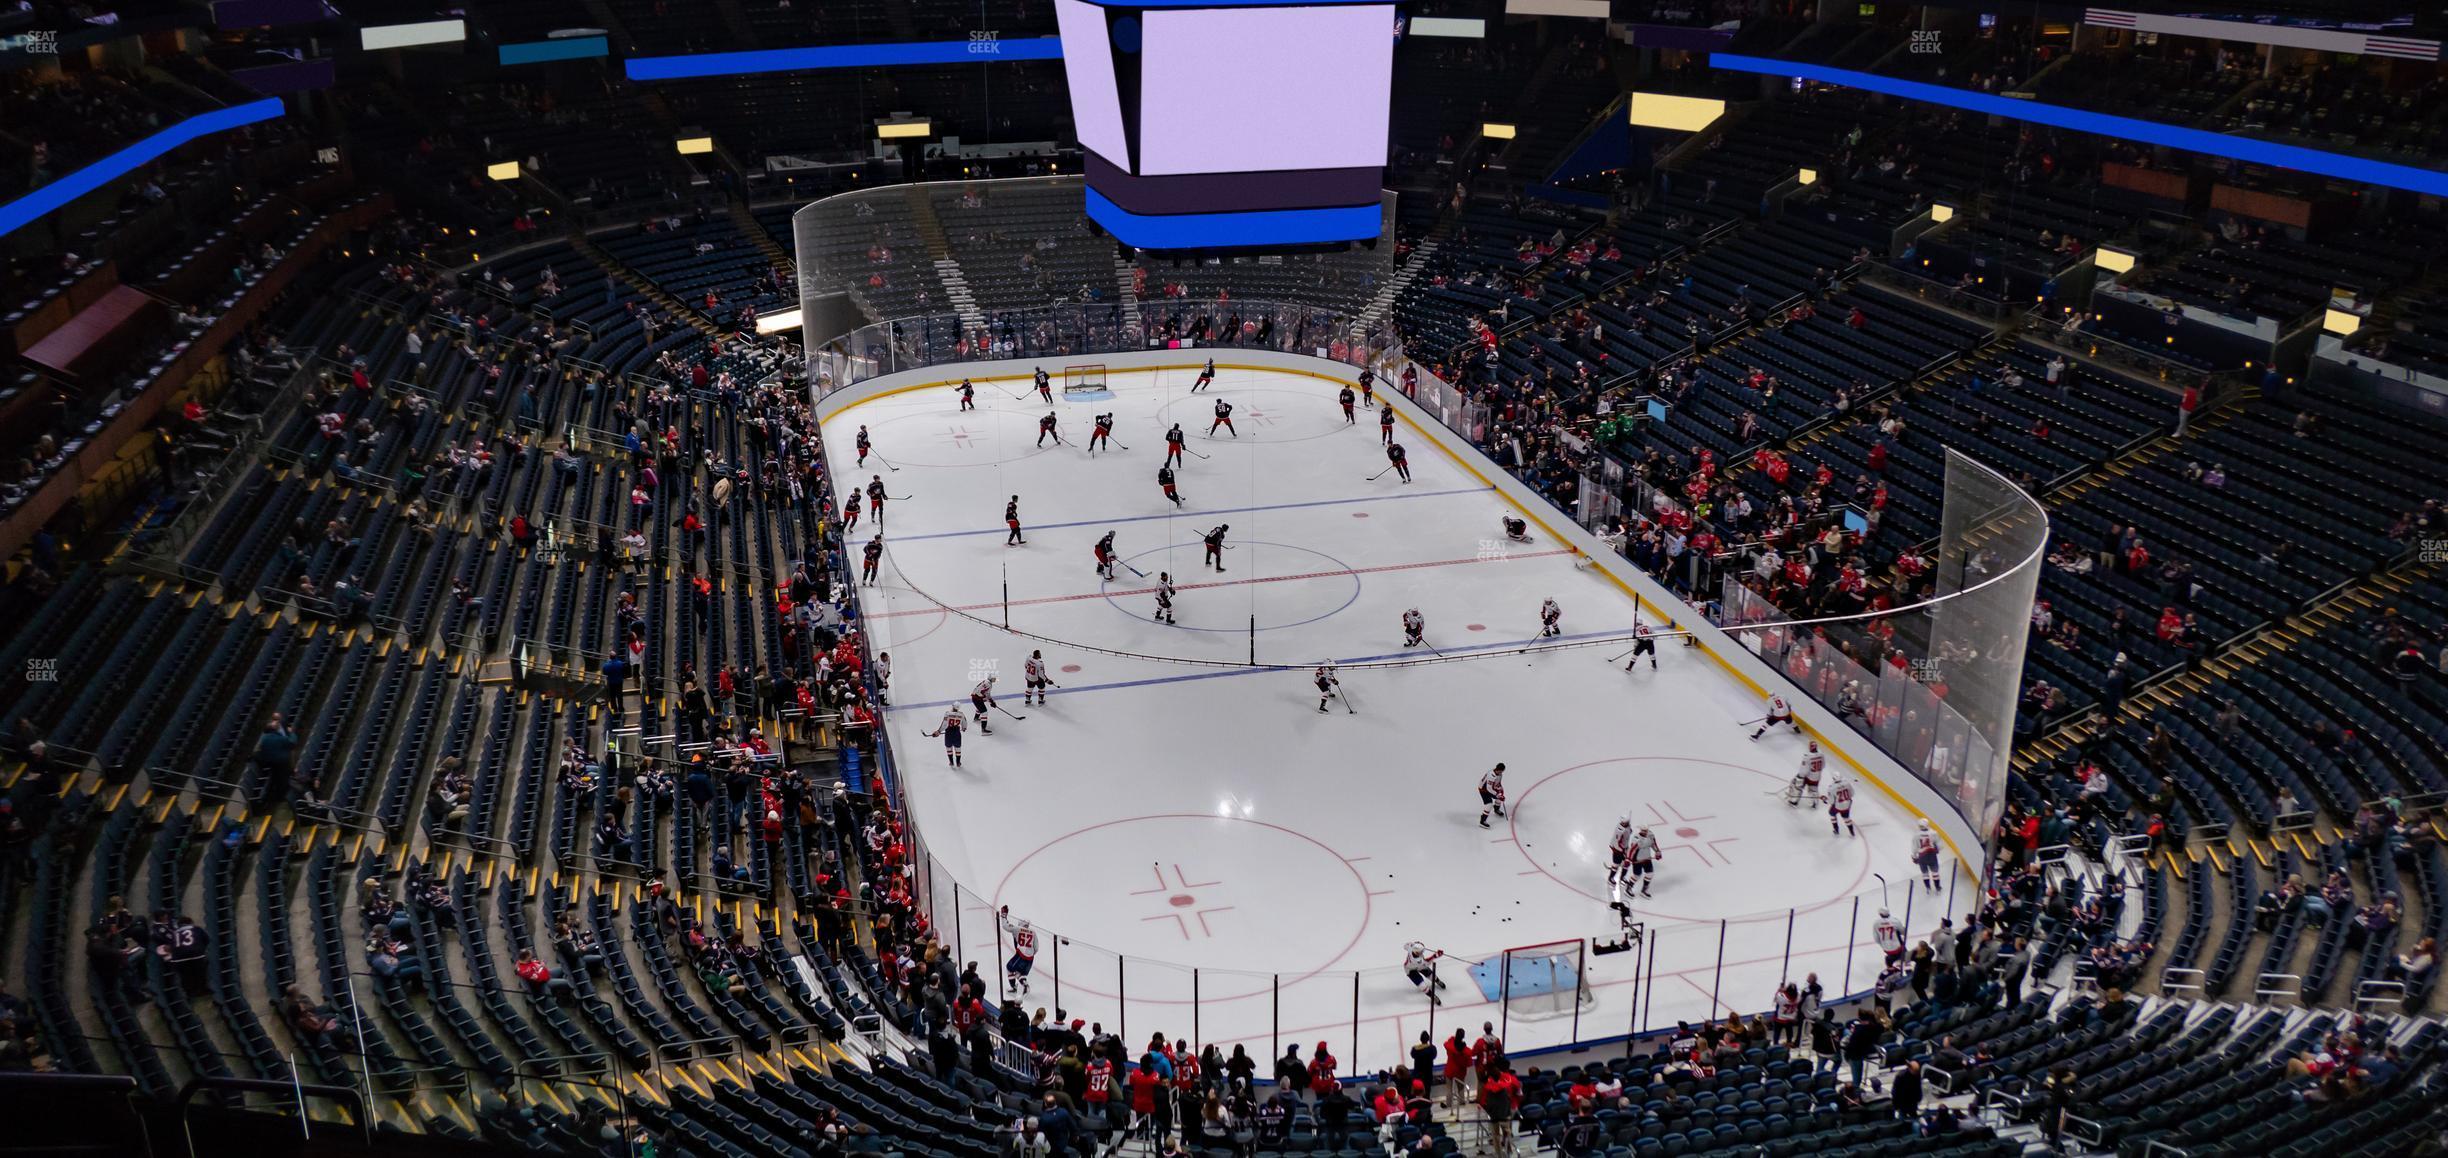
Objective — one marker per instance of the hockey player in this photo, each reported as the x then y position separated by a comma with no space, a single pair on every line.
850,512
968,395
1164,479
1173,445
863,446
1215,544
1101,433
1840,806
1011,518
1619,850
1033,681
1642,644
1024,953
1414,628
1550,619
1491,794
1327,684
1385,425
981,698
950,730
1925,855
1105,557
1889,934
1779,712
1045,430
1223,418
873,554
1351,417
1419,965
1400,458
1516,529
1368,384
1805,784
1164,597
1644,860
1206,377
1045,388
876,497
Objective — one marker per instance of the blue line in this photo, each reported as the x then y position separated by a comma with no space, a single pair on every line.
1188,514
1242,671
842,56
1229,230
2247,149
33,206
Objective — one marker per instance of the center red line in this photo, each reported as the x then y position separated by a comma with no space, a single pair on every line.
1234,582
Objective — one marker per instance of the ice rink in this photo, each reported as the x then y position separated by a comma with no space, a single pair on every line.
1204,820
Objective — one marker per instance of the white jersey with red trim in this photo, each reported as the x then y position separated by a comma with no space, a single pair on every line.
984,690
1925,845
1778,709
1034,668
954,721
1813,763
1493,784
1023,939
1621,846
1549,612
1645,848
1841,799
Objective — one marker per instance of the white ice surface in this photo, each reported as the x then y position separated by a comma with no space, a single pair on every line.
1209,824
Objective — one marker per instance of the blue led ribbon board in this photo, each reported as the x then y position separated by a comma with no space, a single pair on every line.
2247,149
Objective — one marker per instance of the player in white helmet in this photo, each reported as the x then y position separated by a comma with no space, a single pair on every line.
1619,848
1328,685
981,698
1805,785
1550,616
1415,627
1889,934
1024,952
1644,860
1419,964
1779,712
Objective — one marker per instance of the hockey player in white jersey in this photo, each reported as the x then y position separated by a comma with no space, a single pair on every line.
981,698
1415,627
1491,794
1419,965
1779,712
1889,934
1164,597
1619,849
1644,858
1840,806
1023,955
1550,616
1034,683
1327,685
1805,784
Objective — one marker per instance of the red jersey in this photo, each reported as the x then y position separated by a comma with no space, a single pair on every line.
1143,1086
1100,1081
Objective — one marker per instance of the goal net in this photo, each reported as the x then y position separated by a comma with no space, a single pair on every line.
1534,981
1085,378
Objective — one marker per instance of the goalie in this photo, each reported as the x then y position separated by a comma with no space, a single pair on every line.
1419,965
1805,784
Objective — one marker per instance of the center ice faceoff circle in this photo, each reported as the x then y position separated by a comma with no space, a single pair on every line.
1192,888
1282,585
1709,818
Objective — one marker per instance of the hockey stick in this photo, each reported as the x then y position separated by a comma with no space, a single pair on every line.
887,463
1201,456
1136,571
1376,476
1008,712
1347,704
898,498
1612,659
1882,879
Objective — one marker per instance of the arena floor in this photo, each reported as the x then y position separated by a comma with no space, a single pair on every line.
1208,822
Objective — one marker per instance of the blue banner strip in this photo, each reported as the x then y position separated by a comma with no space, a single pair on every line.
33,206
976,51
2247,149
